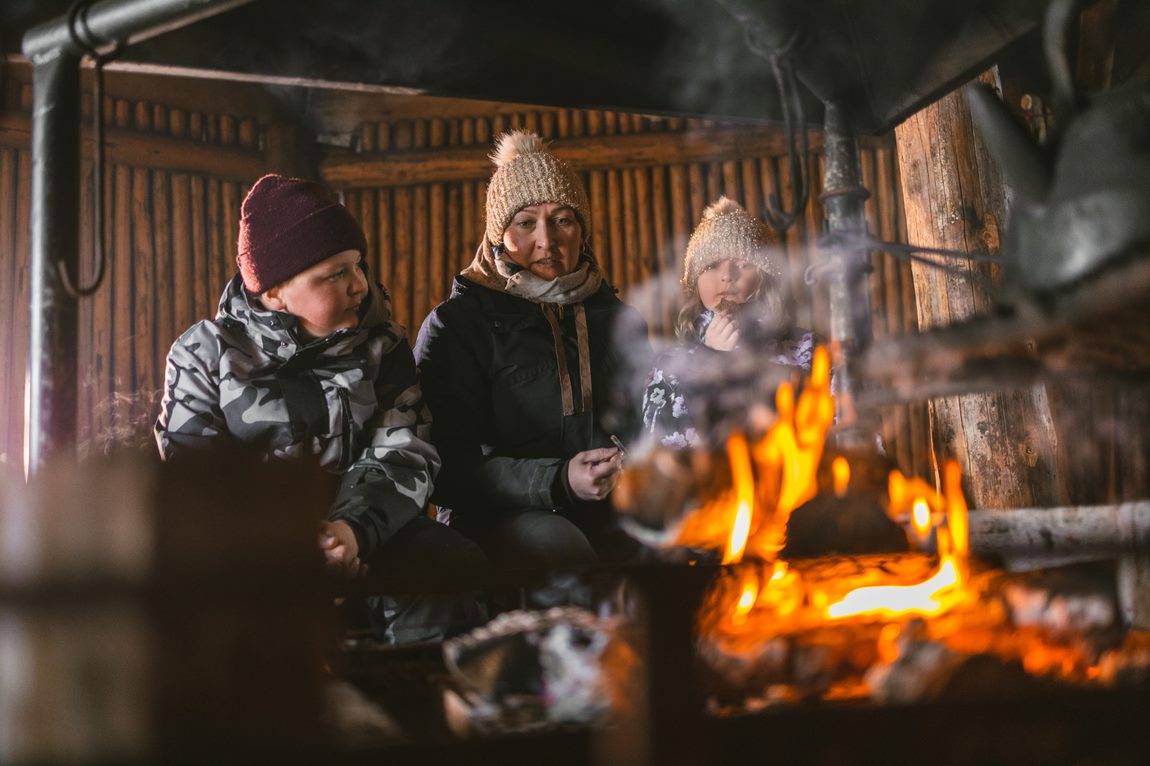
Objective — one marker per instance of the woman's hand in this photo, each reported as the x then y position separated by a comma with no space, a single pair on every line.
722,333
594,473
340,549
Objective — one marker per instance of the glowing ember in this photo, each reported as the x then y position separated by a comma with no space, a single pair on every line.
841,471
930,597
921,518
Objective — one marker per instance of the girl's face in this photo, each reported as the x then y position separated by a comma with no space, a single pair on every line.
325,297
730,280
544,239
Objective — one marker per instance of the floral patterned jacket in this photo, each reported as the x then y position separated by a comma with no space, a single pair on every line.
666,410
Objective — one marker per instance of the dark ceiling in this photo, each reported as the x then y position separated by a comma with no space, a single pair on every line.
882,59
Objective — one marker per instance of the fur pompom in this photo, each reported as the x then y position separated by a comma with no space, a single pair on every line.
512,144
722,206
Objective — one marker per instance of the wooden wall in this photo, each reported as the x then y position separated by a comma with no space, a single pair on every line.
183,152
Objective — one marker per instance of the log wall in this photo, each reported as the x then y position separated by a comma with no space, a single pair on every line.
181,157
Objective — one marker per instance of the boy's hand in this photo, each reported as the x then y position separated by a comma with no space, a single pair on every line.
594,473
340,550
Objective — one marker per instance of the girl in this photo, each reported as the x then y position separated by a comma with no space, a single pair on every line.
736,299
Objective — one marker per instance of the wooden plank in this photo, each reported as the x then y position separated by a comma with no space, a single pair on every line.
713,172
11,367
438,270
646,257
204,291
752,187
585,152
123,325
665,266
217,276
731,174
126,146
386,242
615,241
954,199
632,255
143,296
697,184
420,241
600,220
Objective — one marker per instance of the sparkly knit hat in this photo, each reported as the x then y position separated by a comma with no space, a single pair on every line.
527,174
288,225
726,231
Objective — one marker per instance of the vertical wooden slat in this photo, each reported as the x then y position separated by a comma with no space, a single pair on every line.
419,240
123,327
615,242
632,255
699,200
143,295
183,264
402,289
366,206
437,227
454,213
470,234
11,380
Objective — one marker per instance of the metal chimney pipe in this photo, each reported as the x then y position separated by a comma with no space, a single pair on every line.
51,388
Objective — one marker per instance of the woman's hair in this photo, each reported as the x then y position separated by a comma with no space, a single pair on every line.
770,297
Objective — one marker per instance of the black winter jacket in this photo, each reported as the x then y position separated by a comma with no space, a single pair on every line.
489,374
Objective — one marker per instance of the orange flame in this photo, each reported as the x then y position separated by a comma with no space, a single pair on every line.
743,477
841,471
770,478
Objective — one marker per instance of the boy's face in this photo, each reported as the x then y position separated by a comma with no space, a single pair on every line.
325,297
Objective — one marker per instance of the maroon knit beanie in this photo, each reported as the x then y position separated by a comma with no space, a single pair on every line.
288,225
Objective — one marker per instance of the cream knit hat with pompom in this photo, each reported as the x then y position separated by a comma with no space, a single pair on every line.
527,174
727,231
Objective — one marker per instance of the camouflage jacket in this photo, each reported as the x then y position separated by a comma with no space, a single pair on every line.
351,401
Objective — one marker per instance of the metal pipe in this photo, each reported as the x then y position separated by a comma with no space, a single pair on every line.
53,334
126,21
843,199
51,384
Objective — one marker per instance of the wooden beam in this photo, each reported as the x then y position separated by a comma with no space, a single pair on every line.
1097,329
342,168
129,147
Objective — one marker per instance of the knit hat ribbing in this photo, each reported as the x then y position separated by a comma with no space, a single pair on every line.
288,225
527,174
727,231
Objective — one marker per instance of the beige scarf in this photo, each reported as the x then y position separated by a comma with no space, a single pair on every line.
499,273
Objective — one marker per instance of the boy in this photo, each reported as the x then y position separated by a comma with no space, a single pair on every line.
303,361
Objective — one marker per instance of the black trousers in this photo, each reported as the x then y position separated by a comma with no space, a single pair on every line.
427,555
550,539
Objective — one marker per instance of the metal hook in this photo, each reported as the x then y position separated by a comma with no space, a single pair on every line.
794,121
83,39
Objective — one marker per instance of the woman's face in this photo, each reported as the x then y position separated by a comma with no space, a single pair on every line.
544,239
729,279
325,297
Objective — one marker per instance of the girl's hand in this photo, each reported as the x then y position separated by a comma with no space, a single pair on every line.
722,334
594,473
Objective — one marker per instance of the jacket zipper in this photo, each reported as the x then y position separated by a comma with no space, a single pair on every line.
346,459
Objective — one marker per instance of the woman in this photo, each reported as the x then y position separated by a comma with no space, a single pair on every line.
518,369
735,299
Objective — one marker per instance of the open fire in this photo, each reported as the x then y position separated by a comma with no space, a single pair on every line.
894,627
